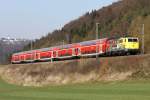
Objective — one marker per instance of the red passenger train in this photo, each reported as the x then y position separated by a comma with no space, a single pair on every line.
105,46
87,48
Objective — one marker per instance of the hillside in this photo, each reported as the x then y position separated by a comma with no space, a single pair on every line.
123,18
78,71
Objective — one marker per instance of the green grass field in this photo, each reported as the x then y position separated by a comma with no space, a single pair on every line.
132,90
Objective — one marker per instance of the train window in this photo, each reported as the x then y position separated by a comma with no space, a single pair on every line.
135,40
132,40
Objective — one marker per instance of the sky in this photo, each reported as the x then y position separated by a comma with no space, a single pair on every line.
31,19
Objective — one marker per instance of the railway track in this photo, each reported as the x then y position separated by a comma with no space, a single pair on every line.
84,58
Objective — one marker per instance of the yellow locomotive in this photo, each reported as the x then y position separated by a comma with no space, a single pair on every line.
129,45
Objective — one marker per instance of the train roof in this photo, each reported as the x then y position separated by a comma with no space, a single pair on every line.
46,49
91,42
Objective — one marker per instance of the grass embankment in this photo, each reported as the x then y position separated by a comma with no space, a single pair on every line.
131,90
78,71
135,70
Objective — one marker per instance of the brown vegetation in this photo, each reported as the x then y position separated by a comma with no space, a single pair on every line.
78,71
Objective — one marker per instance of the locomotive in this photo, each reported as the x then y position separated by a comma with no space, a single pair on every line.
100,47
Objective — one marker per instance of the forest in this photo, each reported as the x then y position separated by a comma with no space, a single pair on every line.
122,18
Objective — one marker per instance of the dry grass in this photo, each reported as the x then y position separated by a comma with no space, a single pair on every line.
78,71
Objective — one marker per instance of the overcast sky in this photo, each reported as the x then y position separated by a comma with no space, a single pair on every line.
34,18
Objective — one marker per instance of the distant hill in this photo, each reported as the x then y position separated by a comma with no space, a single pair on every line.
123,18
9,46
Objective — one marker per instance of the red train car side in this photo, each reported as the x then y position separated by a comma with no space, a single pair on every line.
87,48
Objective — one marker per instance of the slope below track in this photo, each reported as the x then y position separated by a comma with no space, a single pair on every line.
78,71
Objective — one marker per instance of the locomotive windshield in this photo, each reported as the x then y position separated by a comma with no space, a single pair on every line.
132,40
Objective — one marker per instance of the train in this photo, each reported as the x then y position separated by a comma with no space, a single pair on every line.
98,47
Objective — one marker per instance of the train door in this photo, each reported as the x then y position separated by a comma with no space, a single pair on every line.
54,54
77,51
100,48
38,56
